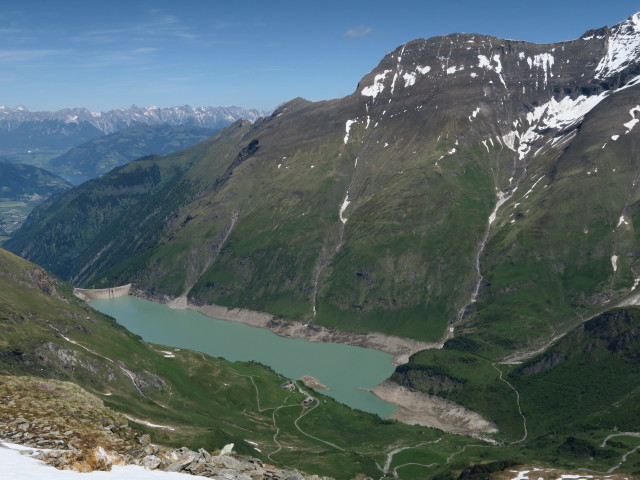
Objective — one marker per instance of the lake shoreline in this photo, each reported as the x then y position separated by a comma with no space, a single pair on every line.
399,348
417,408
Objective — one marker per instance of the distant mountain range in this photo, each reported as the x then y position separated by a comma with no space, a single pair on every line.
37,137
114,120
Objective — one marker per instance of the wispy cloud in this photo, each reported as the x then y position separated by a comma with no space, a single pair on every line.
239,25
358,32
27,55
157,25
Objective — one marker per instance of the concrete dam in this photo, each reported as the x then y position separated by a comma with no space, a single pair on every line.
102,293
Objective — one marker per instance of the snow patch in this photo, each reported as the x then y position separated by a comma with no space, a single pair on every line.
544,61
614,262
615,137
510,139
409,79
485,63
344,206
502,198
556,115
347,127
526,195
393,83
623,48
622,220
18,466
423,70
377,87
632,123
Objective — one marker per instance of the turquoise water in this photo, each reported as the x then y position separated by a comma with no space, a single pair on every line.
344,369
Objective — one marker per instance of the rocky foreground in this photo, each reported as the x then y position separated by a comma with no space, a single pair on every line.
70,429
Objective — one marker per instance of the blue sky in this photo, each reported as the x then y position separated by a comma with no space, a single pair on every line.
112,53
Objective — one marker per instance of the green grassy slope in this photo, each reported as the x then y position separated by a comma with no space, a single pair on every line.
208,402
580,390
99,155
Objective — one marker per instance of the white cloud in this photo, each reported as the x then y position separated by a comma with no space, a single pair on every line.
357,32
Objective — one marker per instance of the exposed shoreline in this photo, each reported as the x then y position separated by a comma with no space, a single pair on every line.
412,408
417,408
398,347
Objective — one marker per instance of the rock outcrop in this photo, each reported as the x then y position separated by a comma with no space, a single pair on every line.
70,429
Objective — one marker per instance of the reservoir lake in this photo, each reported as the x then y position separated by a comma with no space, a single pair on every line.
343,368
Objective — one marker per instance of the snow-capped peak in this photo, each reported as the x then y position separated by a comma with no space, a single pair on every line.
623,47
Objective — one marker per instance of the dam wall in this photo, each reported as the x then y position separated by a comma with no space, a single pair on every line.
102,293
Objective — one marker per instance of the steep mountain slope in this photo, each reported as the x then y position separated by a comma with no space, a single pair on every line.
565,401
102,154
18,181
469,181
22,187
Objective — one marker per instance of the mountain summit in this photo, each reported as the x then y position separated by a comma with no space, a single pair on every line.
469,183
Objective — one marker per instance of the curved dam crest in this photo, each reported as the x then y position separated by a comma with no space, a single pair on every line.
102,293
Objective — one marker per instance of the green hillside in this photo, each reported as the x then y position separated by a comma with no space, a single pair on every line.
560,404
207,402
99,155
22,187
570,406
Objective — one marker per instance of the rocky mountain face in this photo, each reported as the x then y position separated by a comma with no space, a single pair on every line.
70,429
469,182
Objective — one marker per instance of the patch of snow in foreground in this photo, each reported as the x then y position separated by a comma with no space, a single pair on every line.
533,474
17,466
